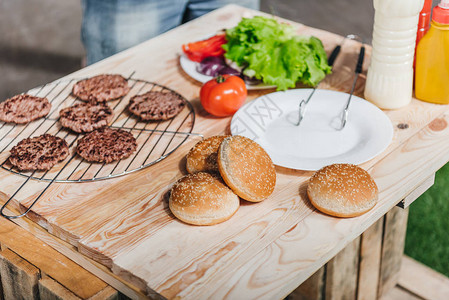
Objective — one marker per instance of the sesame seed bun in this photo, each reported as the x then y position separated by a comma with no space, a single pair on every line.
246,168
202,199
342,190
203,156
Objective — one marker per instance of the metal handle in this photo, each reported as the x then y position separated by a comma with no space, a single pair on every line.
358,70
9,200
333,55
359,67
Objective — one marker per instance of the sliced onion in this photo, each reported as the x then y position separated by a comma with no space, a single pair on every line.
211,65
229,71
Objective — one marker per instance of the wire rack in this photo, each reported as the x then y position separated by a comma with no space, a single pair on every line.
155,140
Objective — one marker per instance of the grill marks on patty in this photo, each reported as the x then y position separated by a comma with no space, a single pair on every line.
39,153
106,145
101,88
24,108
156,106
86,117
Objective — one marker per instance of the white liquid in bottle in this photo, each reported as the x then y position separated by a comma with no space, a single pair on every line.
389,82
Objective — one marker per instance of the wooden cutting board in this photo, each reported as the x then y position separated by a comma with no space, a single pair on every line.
267,248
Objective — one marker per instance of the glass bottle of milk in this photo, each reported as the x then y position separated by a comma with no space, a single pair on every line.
389,81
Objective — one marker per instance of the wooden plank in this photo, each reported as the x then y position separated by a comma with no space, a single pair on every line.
51,290
392,248
370,255
422,280
2,296
312,288
107,293
49,261
19,277
424,186
341,273
70,252
398,293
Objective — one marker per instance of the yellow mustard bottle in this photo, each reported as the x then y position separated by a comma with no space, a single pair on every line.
432,59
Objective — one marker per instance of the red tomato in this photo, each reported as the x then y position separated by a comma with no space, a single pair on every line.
224,95
198,51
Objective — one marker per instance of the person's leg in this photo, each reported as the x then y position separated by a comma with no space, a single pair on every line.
196,8
110,26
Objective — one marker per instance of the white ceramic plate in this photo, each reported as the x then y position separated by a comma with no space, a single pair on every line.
190,68
270,121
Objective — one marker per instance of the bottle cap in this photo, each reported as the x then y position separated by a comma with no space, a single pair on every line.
444,4
441,12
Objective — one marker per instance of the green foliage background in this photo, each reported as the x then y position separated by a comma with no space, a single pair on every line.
428,225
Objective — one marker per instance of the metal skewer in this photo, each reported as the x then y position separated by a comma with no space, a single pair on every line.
358,70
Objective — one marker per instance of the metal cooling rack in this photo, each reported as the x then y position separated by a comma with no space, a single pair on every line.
155,140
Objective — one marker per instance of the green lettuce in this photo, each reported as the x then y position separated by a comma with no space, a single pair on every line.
273,53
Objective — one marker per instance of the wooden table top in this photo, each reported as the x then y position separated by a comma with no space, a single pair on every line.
267,249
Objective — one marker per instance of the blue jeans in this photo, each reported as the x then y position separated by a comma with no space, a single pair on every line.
111,26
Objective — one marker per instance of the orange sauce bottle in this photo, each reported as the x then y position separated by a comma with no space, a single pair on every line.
432,59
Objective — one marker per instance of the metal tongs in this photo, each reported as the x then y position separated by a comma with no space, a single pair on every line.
358,70
331,60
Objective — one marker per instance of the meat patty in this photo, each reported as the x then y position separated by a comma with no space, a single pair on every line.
156,106
106,145
101,88
24,108
86,116
39,153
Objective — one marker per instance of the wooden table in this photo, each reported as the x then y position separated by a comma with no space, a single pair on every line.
122,231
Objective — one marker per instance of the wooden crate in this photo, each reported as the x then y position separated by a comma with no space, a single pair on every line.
31,269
